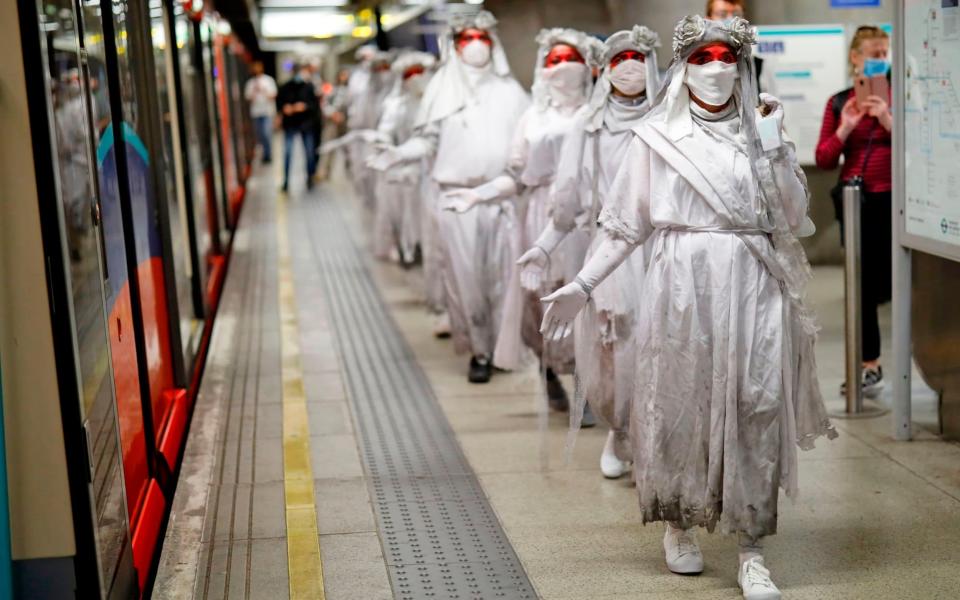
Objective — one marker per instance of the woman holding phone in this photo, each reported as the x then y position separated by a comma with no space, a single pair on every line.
856,125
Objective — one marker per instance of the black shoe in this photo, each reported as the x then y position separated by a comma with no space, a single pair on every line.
267,161
588,420
871,381
480,370
283,188
556,395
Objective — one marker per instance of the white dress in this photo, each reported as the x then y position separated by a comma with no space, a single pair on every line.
479,246
397,213
603,333
726,383
367,95
534,158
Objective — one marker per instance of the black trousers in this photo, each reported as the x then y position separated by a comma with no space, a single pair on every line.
876,274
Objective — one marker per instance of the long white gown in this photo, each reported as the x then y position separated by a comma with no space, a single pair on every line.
603,333
368,90
534,158
726,384
397,214
480,246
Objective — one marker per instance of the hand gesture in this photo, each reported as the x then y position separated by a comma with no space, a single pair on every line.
459,200
772,106
533,264
385,157
850,117
877,107
562,308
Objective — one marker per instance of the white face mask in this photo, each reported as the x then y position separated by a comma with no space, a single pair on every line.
476,54
629,77
566,79
415,84
713,82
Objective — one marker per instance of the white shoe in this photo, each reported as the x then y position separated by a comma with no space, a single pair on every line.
611,466
754,580
682,551
441,326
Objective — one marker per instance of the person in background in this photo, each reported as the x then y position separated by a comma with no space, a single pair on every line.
297,103
316,78
261,93
334,111
723,10
861,134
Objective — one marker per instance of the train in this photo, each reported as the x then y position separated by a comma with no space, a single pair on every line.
126,148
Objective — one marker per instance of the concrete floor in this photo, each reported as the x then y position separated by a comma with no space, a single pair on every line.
875,518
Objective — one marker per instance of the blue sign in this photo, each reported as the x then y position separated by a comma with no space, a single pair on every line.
854,3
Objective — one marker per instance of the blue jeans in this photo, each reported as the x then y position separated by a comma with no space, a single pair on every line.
264,129
308,150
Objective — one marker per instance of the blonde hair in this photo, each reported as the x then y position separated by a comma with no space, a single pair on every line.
863,33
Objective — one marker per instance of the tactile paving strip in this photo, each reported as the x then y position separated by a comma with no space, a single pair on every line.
440,536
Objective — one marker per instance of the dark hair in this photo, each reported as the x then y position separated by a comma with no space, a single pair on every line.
709,10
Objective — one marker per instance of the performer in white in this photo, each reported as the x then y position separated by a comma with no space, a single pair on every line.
591,156
467,119
369,85
397,217
561,85
726,385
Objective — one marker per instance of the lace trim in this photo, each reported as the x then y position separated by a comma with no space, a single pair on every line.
619,228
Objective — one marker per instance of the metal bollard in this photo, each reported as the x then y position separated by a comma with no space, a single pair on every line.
853,320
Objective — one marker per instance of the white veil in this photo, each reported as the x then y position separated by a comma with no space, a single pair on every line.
450,89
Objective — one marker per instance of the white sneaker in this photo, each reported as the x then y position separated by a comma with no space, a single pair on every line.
441,326
682,551
611,466
754,580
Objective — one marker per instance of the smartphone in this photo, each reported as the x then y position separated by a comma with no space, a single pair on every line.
877,85
862,88
880,86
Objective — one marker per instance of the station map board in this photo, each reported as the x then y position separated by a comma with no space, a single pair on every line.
803,66
931,203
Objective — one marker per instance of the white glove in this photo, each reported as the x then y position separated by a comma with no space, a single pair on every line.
534,263
459,200
770,127
387,156
562,308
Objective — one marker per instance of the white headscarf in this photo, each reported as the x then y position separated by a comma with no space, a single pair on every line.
587,46
451,88
406,60
640,39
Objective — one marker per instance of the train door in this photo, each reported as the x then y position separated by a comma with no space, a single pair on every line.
224,110
205,34
75,107
202,222
183,268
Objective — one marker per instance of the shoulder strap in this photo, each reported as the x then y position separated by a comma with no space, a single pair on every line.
837,102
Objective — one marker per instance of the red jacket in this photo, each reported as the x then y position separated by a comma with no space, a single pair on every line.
877,176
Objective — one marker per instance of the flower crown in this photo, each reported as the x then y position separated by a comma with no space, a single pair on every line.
482,20
640,38
588,45
692,28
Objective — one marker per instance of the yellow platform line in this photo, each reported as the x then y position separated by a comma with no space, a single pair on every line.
303,541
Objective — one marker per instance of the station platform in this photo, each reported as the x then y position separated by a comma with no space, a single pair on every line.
337,451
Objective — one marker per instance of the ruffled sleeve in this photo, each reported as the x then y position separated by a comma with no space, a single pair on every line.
626,212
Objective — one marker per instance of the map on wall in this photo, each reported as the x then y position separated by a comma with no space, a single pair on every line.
932,125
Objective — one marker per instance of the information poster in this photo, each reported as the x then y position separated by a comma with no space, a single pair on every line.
932,124
803,66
